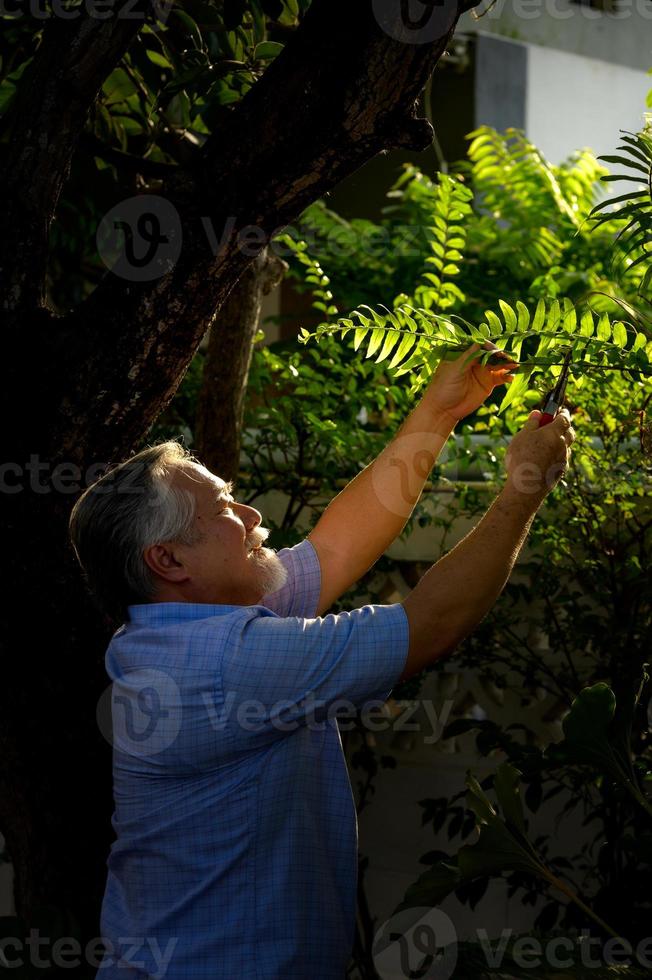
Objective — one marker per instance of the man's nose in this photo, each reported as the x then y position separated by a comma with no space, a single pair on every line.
251,517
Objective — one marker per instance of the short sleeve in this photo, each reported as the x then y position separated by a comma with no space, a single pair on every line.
300,594
285,672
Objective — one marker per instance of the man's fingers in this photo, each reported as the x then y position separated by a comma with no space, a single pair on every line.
562,419
533,420
562,423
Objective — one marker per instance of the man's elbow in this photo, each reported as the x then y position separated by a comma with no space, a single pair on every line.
424,651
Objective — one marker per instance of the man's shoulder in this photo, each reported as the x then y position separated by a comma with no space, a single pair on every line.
179,639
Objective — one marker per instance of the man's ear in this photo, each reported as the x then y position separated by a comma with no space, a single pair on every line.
161,559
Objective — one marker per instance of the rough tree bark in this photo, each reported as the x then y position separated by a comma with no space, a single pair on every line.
85,386
226,366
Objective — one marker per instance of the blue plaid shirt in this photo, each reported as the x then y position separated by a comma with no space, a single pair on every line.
236,849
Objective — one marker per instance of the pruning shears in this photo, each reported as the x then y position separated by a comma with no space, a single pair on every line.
555,398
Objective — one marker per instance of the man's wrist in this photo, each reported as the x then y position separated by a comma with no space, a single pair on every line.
526,500
443,422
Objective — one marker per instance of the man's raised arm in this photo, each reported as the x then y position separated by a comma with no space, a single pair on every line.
361,522
460,589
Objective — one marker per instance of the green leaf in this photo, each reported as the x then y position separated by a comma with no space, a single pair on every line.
118,86
570,320
587,324
391,339
554,314
359,336
506,785
604,328
158,59
377,336
406,345
267,50
586,727
510,316
516,389
523,316
433,886
539,316
495,323
620,334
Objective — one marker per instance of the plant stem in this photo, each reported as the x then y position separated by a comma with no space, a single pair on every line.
560,886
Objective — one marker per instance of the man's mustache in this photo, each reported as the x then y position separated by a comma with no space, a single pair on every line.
258,537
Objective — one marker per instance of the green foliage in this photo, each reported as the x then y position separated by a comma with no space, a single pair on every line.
515,210
635,207
583,593
598,343
502,845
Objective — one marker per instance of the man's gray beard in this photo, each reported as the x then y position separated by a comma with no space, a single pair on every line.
272,574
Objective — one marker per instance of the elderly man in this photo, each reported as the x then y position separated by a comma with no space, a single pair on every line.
236,838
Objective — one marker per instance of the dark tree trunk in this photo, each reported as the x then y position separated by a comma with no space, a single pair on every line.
85,387
226,367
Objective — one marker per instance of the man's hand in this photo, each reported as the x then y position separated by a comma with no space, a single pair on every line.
537,458
459,387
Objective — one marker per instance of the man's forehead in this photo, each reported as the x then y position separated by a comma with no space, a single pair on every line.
204,480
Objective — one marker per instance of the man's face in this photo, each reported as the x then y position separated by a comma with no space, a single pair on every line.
228,565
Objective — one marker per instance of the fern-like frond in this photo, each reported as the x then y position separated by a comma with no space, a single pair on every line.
314,275
633,208
517,186
578,178
451,210
417,339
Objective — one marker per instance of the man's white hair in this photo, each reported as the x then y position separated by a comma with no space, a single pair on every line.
133,506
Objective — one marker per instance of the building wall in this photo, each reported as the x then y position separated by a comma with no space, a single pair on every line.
623,37
573,101
564,102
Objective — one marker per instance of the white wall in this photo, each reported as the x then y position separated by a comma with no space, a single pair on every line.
622,38
574,102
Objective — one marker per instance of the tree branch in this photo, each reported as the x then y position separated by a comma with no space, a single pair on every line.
342,90
73,60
